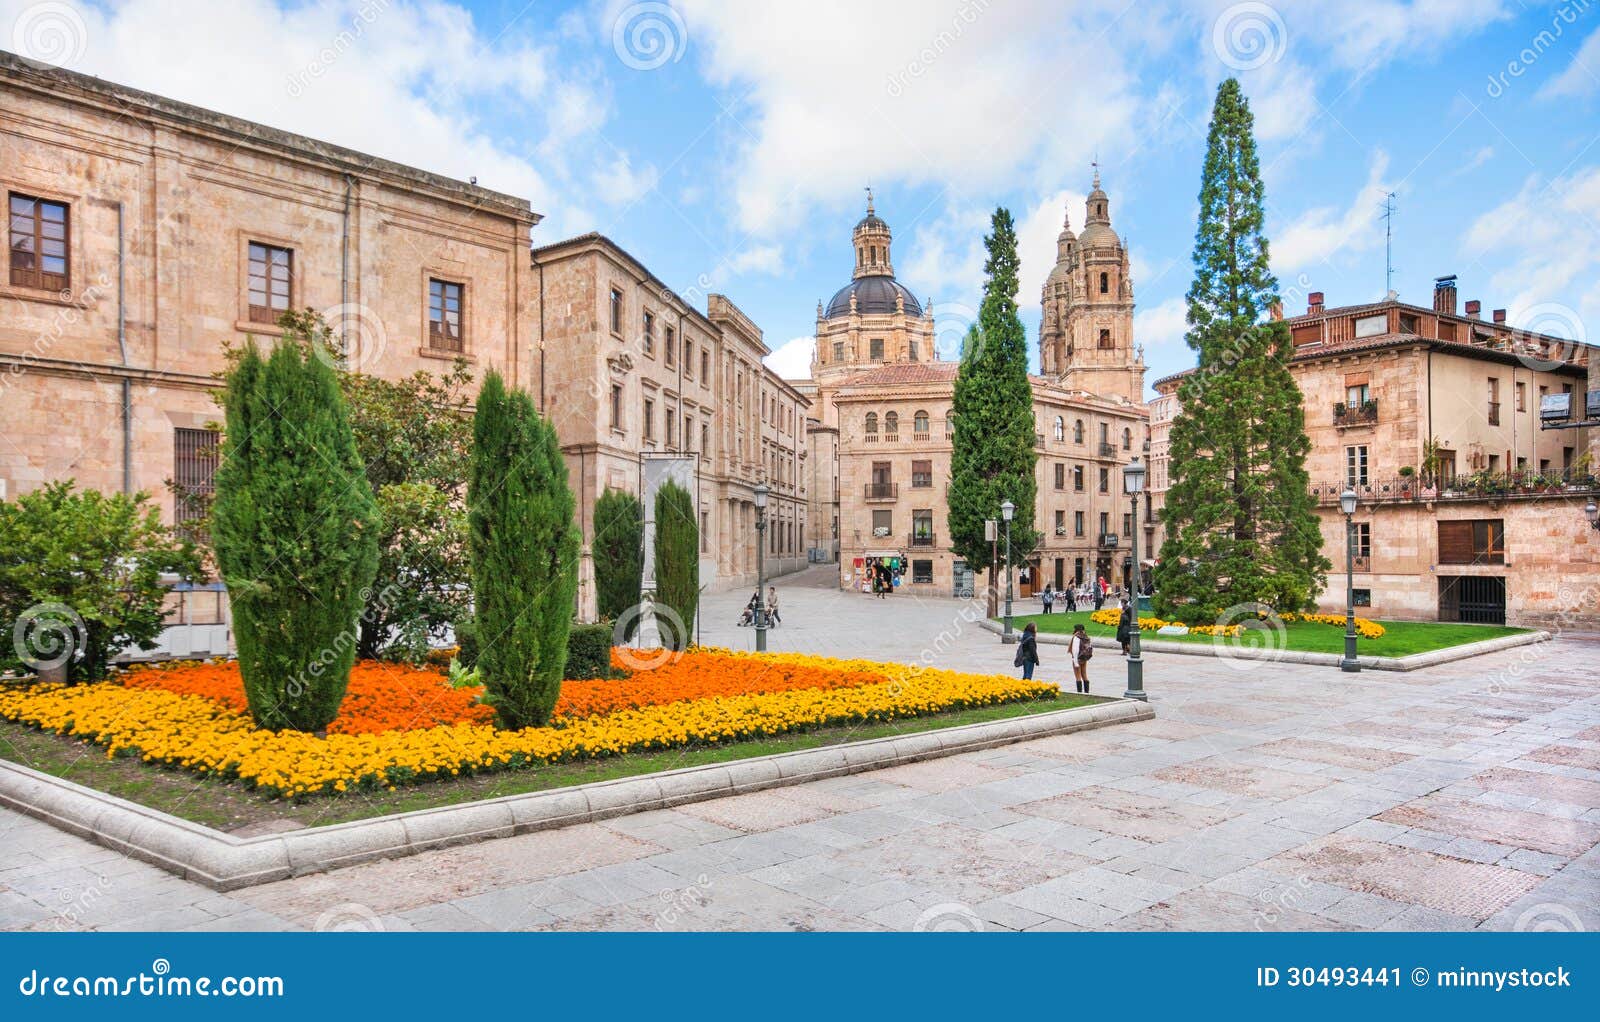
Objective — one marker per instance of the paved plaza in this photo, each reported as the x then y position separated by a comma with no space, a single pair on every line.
1263,796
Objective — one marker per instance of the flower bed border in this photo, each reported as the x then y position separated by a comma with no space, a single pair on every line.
223,862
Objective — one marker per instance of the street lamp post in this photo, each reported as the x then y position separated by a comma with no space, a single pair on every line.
761,567
1347,504
1007,511
1593,513
1133,485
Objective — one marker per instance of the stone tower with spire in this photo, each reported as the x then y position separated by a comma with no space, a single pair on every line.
1086,333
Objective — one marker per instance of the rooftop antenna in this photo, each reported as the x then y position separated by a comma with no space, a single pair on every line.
1388,241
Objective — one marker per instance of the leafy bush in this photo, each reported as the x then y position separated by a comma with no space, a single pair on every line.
524,547
618,551
295,529
80,577
589,652
677,562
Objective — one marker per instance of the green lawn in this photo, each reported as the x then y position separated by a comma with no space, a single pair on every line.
1401,638
228,806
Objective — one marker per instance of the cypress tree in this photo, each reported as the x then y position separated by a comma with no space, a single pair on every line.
677,562
618,552
295,528
523,543
993,455
1241,525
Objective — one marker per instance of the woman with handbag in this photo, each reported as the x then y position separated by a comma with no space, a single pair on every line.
1080,649
1027,656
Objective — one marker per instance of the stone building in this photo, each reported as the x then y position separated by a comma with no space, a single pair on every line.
146,234
880,383
1469,509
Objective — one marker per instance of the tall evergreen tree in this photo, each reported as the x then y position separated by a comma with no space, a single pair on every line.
618,552
1241,524
523,543
993,455
677,562
295,529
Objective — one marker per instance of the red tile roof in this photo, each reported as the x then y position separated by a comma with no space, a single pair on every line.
905,374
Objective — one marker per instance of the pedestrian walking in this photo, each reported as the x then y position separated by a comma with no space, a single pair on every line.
1027,656
1099,593
772,605
1080,649
1049,598
1125,625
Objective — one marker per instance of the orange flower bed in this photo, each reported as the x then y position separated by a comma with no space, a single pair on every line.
392,697
382,697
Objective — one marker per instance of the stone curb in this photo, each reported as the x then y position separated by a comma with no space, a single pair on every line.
224,862
1414,662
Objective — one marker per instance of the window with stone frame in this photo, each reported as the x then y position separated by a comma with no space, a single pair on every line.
921,474
616,311
649,419
875,349
40,243
446,308
269,283
194,469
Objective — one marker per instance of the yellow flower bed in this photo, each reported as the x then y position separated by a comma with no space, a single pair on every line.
1364,628
193,733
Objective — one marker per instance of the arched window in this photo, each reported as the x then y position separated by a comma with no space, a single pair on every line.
1061,428
1077,431
872,422
1105,283
919,422
891,423
1127,439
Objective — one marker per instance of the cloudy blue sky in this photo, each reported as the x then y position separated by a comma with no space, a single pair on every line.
727,143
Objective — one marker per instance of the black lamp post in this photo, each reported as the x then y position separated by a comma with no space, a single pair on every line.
1133,485
1347,504
1593,514
761,567
1007,511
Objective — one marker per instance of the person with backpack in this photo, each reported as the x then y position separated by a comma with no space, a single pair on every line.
1049,598
1080,649
1027,656
1125,625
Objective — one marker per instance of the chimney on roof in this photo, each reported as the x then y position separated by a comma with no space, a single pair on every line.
1277,311
1444,294
1475,308
1315,300
1499,315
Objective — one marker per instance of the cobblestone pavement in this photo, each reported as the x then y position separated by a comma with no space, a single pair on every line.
1263,796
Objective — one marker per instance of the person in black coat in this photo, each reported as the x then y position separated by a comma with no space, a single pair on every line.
1125,626
1027,656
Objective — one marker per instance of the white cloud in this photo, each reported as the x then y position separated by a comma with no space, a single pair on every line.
1542,240
619,183
1319,234
1037,230
1581,79
1162,326
792,359
757,259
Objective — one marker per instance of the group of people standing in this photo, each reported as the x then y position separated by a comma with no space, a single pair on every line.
1080,648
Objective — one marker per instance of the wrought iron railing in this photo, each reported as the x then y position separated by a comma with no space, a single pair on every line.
1475,486
921,539
1355,415
883,491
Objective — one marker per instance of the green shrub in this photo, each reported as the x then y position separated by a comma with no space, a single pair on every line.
589,652
524,543
618,551
677,564
295,529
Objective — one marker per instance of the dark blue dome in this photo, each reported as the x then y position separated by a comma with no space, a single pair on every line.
874,295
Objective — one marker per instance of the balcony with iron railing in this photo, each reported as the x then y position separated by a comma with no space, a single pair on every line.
1108,450
921,539
1494,486
1362,562
883,491
1363,414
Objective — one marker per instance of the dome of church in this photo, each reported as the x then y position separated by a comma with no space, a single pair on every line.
874,295
1098,235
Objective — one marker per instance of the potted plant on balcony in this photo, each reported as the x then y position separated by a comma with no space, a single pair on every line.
1406,480
1338,412
1369,408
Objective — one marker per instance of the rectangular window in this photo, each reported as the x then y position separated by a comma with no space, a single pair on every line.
1105,523
1061,476
921,474
1472,541
705,441
705,532
1494,401
1105,479
649,419
671,346
271,271
1372,326
672,427
1061,523
616,406
1077,523
1355,465
922,527
40,243
1522,396
688,358
838,351
616,312
444,316
1356,396
875,349
1363,539
1077,478
922,572
1363,597
705,366
648,341
1127,524
882,523
194,468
